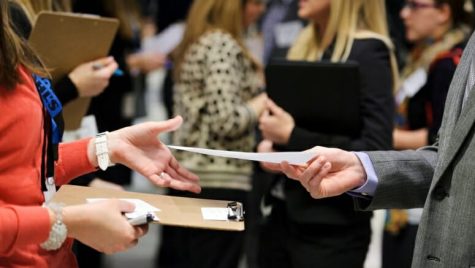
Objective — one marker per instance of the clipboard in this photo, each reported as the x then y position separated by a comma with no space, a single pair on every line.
174,211
65,40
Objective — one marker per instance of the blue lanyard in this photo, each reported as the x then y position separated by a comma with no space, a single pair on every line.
52,105
53,108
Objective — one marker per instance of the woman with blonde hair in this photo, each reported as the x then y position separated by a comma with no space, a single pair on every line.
218,90
302,231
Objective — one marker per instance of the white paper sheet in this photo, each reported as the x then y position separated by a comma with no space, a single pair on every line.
215,214
166,41
295,158
141,207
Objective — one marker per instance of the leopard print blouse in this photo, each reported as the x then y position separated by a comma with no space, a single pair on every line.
214,84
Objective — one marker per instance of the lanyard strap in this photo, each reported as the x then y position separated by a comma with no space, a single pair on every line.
52,105
53,127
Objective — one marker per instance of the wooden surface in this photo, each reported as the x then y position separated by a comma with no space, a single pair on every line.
176,211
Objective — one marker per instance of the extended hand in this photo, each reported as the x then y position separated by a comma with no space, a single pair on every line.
331,173
139,148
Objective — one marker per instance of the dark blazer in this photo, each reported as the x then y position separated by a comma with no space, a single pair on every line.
377,110
439,178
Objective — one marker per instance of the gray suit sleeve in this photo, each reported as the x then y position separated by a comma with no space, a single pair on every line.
404,178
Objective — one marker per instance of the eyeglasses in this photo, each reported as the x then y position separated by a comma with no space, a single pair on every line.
413,5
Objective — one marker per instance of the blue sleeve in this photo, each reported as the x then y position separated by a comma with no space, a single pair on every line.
368,189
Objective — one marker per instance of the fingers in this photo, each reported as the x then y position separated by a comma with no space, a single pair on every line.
168,125
184,184
108,70
274,109
125,206
181,171
104,61
311,171
265,146
177,177
160,179
271,167
291,171
141,230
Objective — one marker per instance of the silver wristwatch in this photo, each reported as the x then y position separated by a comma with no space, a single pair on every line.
58,232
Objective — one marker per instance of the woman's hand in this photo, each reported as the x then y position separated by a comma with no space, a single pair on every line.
276,124
92,78
265,146
258,104
139,148
102,226
146,62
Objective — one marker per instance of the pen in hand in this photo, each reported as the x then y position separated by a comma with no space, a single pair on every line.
98,66
142,219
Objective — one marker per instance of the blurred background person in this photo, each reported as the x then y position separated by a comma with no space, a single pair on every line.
252,12
218,89
280,27
301,231
437,30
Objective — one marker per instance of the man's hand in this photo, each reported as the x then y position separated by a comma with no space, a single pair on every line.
332,172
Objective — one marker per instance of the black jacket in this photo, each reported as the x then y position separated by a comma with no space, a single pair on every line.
377,111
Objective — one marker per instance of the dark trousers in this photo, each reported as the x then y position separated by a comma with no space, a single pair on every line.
398,248
288,244
199,248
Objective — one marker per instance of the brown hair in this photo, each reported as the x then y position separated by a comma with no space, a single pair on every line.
127,11
206,15
14,52
33,7
460,16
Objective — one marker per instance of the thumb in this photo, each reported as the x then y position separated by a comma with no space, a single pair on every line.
168,125
274,108
125,206
102,62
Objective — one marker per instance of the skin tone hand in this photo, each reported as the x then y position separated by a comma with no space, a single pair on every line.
276,124
90,81
410,139
331,173
258,104
146,61
102,226
265,146
139,148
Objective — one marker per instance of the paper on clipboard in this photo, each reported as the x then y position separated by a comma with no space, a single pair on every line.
294,158
174,210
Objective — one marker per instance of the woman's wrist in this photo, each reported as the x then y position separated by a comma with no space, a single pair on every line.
58,230
100,151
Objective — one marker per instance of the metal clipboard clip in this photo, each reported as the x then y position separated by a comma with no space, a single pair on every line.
235,211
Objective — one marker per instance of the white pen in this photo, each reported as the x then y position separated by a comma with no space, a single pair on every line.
142,219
